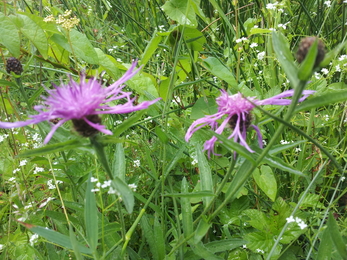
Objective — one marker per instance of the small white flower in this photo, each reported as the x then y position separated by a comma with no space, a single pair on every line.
92,179
342,178
38,169
22,219
16,170
1,247
33,239
325,71
132,186
259,250
106,184
243,39
45,202
12,179
95,190
271,6
137,163
23,162
261,55
244,246
343,57
98,184
338,68
297,150
327,3
302,225
117,122
284,142
253,45
317,75
290,219
264,142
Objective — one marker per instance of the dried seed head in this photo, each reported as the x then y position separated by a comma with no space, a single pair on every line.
14,65
246,123
83,128
305,46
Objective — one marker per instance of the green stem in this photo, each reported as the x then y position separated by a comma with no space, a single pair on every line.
100,153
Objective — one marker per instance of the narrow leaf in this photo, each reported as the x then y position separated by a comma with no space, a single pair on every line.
336,237
118,169
91,216
125,193
187,217
305,70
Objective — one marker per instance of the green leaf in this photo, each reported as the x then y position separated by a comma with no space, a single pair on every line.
201,230
149,235
35,34
280,164
305,70
56,237
159,238
9,36
323,100
203,106
324,250
91,216
285,57
74,243
200,250
197,194
224,245
266,181
181,11
125,193
150,49
53,148
336,237
107,63
194,39
118,169
205,174
187,217
81,46
214,66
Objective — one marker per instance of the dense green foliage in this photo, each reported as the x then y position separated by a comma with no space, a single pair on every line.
286,201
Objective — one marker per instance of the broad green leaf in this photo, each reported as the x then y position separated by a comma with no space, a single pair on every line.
91,216
224,245
159,238
81,46
56,237
187,217
325,246
285,57
107,63
74,243
203,106
149,235
206,181
9,36
216,68
181,11
323,100
200,250
194,39
53,148
266,181
150,49
336,237
305,70
262,241
311,201
201,230
125,193
118,169
258,219
35,34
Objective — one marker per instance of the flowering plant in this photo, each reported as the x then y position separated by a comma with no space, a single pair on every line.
82,103
237,112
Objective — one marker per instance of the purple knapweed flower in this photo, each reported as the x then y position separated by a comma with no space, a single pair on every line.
82,103
237,112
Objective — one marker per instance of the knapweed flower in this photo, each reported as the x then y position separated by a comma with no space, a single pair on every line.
236,111
83,103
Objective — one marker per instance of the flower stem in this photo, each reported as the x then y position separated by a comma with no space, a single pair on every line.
100,153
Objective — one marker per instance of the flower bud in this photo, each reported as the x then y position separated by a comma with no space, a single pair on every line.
305,46
14,65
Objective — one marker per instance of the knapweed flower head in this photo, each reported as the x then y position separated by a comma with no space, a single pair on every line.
235,111
82,103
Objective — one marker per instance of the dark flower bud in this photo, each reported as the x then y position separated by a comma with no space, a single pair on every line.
83,128
305,46
14,65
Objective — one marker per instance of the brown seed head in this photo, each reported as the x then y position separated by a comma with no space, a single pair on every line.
13,64
305,46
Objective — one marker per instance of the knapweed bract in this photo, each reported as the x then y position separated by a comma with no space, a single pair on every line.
235,111
83,102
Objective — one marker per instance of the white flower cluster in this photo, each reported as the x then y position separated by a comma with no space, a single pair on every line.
299,221
51,186
274,6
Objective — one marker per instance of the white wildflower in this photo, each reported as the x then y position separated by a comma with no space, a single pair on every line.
253,45
137,163
23,162
33,239
327,3
92,179
290,219
132,186
38,169
261,55
325,71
